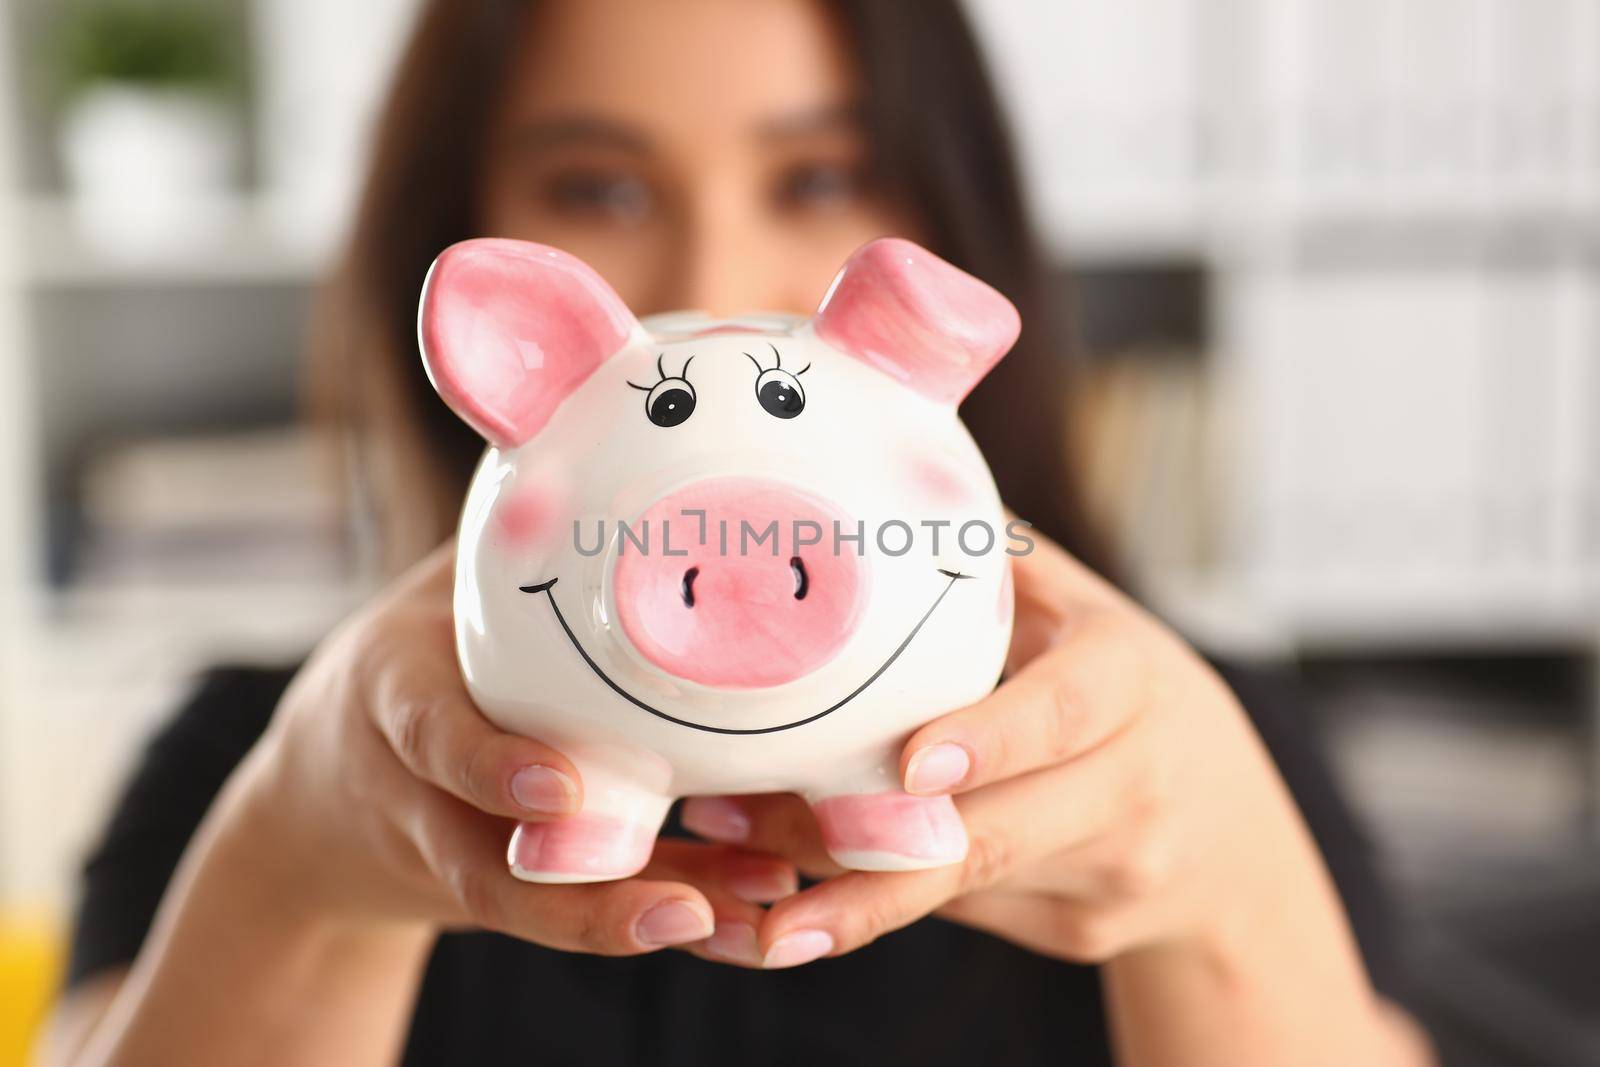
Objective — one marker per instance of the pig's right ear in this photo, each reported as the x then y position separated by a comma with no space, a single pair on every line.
510,329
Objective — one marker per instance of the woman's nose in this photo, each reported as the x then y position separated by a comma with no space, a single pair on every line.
724,264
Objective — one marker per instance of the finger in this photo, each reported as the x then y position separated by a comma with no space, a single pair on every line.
1035,628
780,823
1047,576
1011,825
1051,589
465,852
1018,822
433,573
1128,862
731,880
999,911
752,877
846,912
422,709
1049,925
1060,706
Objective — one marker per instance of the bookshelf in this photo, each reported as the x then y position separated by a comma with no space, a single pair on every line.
1396,206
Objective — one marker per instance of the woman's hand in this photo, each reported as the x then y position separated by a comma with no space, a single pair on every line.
1112,789
376,810
1120,809
387,794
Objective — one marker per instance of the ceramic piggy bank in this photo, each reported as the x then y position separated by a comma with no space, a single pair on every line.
724,556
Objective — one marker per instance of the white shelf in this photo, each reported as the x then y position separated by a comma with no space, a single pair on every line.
1265,618
1127,222
254,240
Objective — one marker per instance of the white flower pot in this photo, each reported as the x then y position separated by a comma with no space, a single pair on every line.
150,171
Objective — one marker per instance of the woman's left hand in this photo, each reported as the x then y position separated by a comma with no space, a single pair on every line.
1114,792
1121,810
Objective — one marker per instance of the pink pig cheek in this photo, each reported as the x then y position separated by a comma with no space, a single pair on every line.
937,481
527,516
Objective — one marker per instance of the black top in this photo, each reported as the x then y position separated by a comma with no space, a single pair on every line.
932,993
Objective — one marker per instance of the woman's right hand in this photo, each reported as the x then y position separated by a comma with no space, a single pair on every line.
375,811
380,791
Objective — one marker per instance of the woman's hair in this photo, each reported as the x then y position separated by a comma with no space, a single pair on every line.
938,146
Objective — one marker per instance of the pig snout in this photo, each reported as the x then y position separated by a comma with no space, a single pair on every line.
739,583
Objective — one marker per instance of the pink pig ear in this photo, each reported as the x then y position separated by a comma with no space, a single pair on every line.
918,319
509,329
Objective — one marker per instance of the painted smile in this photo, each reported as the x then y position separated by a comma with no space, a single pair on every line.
547,588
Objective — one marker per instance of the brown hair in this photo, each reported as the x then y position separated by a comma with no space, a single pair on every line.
938,143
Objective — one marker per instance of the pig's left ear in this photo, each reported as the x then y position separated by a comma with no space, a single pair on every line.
510,329
918,319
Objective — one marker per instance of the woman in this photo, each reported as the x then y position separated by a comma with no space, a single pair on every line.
1142,882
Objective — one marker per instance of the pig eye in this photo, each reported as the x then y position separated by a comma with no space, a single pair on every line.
779,391
670,401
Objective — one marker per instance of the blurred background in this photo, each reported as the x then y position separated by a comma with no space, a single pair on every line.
1337,266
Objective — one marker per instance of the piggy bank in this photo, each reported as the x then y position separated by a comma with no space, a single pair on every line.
723,556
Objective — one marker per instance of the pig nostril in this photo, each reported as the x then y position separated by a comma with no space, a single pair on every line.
688,586
801,582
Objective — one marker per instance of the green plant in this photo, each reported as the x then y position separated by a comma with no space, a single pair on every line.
190,44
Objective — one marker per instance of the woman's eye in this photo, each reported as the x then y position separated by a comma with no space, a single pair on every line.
670,402
618,197
780,393
819,185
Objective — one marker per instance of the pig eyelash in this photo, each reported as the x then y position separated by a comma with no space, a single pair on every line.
777,366
683,374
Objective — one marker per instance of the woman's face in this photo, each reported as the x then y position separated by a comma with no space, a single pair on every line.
700,154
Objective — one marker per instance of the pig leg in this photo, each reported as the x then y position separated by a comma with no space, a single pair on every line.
889,830
611,837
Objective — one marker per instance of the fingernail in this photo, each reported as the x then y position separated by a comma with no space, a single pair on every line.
544,790
802,946
764,887
716,818
735,942
892,831
937,768
673,922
